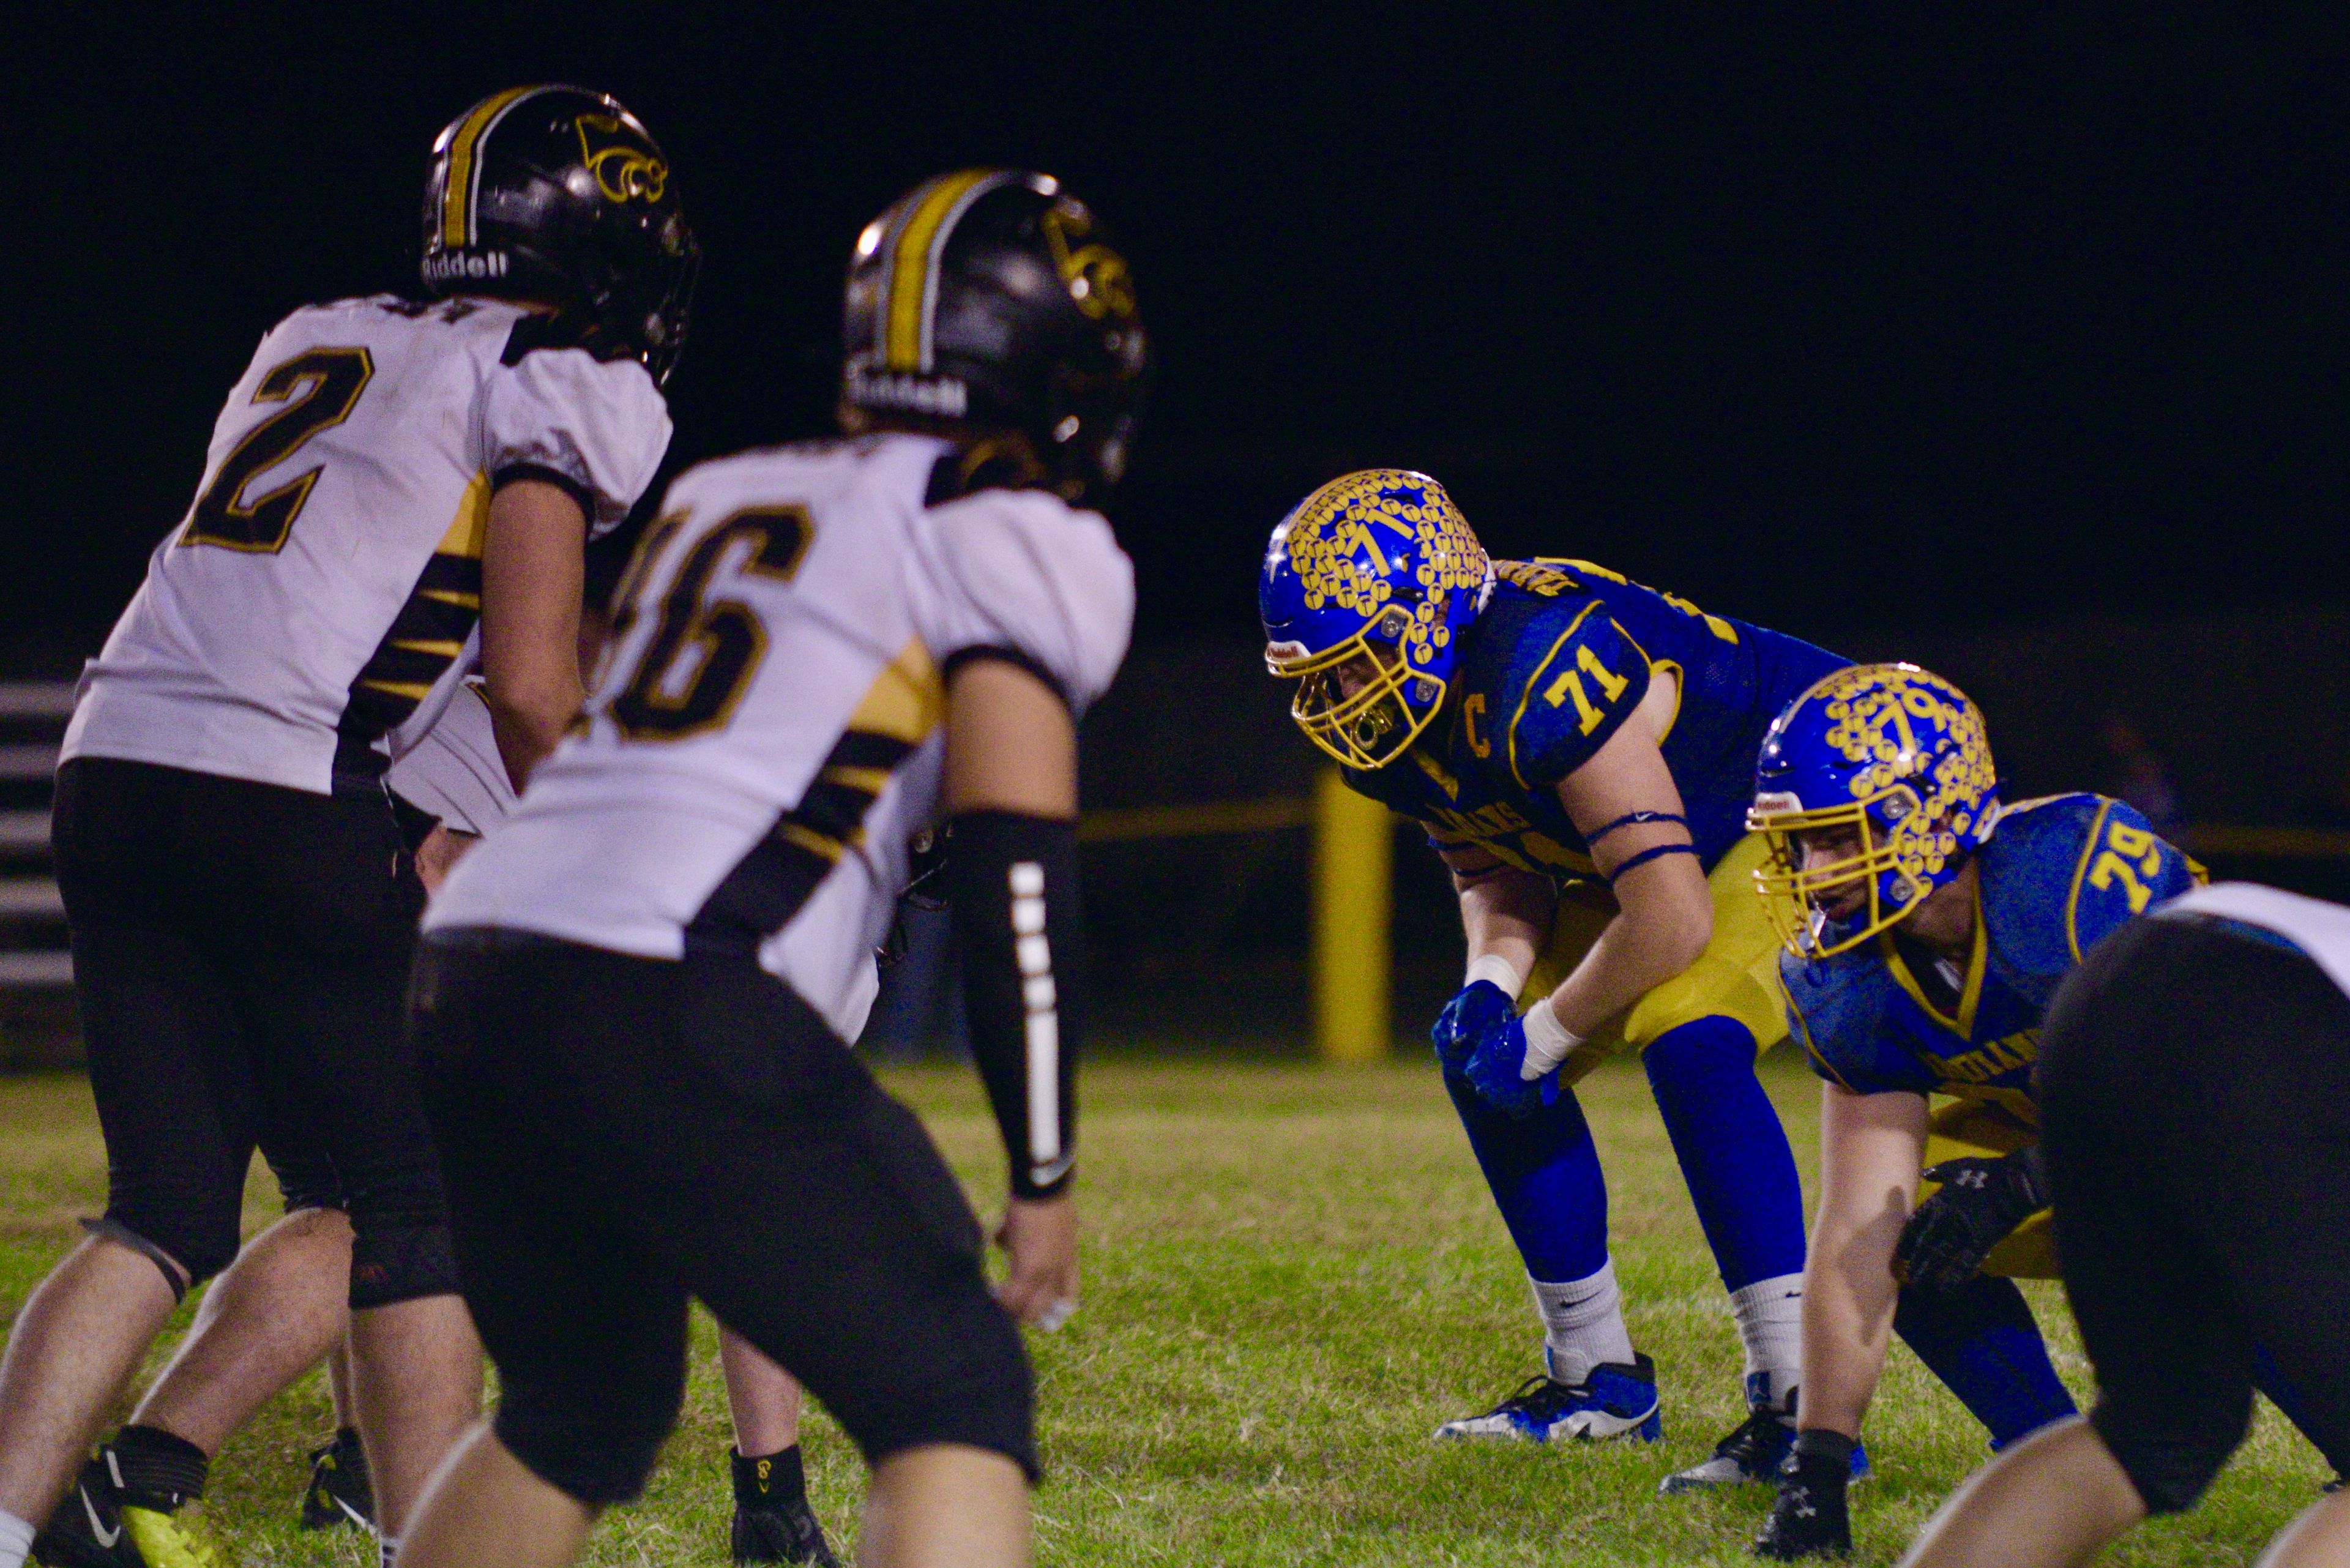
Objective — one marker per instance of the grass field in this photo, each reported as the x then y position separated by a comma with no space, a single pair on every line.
1292,1276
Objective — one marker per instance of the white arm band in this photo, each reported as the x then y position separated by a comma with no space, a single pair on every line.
1549,1041
1493,966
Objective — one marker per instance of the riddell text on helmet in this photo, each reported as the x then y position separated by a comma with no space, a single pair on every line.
460,264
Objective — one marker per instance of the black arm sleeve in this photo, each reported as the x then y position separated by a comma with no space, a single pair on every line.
1012,883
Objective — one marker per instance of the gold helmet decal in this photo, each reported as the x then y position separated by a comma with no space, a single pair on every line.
1095,274
621,157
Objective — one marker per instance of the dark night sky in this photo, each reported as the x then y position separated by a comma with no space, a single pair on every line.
2022,306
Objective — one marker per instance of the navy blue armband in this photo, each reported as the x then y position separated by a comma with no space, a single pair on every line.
1012,885
1633,819
1646,855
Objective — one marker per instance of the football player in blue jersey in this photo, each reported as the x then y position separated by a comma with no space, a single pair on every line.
1581,750
1926,926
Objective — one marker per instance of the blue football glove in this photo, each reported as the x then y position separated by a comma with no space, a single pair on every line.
1472,1014
1494,1067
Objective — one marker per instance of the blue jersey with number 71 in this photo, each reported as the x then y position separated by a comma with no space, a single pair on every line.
1559,657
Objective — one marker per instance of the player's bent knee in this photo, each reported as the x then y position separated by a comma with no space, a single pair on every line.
998,1418
595,1451
187,1250
393,1263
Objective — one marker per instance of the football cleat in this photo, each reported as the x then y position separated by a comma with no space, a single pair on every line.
339,1491
102,1524
1751,1454
1616,1401
788,1532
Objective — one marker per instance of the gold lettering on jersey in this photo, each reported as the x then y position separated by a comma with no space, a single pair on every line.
1473,709
1713,623
1995,1060
1437,770
1551,852
626,170
1494,820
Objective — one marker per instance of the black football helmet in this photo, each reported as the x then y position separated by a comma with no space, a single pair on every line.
559,193
991,297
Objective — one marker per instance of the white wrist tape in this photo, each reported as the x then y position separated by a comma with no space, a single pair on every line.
1493,966
1548,1041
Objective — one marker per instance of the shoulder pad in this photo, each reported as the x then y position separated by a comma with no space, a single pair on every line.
1569,679
2064,870
564,329
1835,1010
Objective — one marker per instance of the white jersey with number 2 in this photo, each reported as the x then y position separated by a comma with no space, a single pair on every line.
767,731
319,603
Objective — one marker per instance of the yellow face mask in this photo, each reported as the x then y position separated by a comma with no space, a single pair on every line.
1797,895
1388,706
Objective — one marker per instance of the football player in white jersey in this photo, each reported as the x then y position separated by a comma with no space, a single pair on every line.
633,1000
395,491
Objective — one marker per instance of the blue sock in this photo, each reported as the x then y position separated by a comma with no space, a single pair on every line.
1981,1342
1732,1151
1545,1178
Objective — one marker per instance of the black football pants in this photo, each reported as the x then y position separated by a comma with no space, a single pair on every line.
2195,1096
241,954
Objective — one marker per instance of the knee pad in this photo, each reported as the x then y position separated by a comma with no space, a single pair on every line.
200,1245
393,1262
590,1437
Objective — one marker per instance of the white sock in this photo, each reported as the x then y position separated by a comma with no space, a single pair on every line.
16,1540
1582,1324
387,1549
1770,1325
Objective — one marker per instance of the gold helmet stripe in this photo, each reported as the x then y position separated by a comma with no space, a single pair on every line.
464,174
911,284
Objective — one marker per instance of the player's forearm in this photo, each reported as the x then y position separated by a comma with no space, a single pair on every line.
1506,915
1663,928
529,715
1870,1149
1849,1294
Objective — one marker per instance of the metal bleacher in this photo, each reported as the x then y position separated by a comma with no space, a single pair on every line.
33,953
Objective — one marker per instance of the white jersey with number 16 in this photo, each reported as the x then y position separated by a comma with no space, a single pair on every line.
766,730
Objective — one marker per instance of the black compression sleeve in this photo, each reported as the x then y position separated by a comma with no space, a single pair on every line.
1012,883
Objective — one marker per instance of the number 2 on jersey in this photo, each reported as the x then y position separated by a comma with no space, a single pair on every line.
722,639
323,385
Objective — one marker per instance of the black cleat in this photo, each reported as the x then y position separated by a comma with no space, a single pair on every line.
784,1531
102,1524
339,1491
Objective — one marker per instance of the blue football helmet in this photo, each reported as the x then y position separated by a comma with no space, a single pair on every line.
1368,585
1895,757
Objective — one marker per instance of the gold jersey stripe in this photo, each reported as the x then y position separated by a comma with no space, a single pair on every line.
436,646
413,690
872,781
912,263
451,596
457,196
808,839
907,701
472,524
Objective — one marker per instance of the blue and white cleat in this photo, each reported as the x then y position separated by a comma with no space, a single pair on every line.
1751,1455
1616,1401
